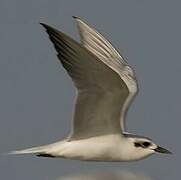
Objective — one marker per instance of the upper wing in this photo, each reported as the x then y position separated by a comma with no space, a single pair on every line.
98,45
102,48
102,93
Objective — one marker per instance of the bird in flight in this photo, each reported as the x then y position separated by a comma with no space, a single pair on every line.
106,85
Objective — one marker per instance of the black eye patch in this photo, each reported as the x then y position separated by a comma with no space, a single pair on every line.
142,144
137,144
146,144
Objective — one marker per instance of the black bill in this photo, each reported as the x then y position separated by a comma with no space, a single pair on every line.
162,150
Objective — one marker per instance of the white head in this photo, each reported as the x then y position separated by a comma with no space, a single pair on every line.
141,147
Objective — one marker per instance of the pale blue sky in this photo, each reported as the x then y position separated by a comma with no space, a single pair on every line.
36,94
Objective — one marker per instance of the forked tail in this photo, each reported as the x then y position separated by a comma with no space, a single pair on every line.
35,150
44,151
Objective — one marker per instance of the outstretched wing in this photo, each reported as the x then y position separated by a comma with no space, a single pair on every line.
102,48
98,45
102,92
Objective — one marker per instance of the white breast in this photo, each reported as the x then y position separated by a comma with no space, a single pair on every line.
93,149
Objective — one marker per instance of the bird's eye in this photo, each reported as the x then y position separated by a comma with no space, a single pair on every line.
137,144
146,144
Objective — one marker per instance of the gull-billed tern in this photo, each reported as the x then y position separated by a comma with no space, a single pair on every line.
106,86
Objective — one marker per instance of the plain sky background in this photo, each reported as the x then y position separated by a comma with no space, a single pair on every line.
36,94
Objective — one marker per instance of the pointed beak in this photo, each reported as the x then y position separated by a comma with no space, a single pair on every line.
162,150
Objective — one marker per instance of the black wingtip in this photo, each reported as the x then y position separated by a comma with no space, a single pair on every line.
44,25
75,17
47,27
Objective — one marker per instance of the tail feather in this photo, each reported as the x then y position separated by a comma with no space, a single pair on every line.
34,150
44,151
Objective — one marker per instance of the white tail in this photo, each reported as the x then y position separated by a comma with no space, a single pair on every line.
34,150
44,151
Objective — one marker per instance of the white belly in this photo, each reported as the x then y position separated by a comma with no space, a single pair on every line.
102,148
